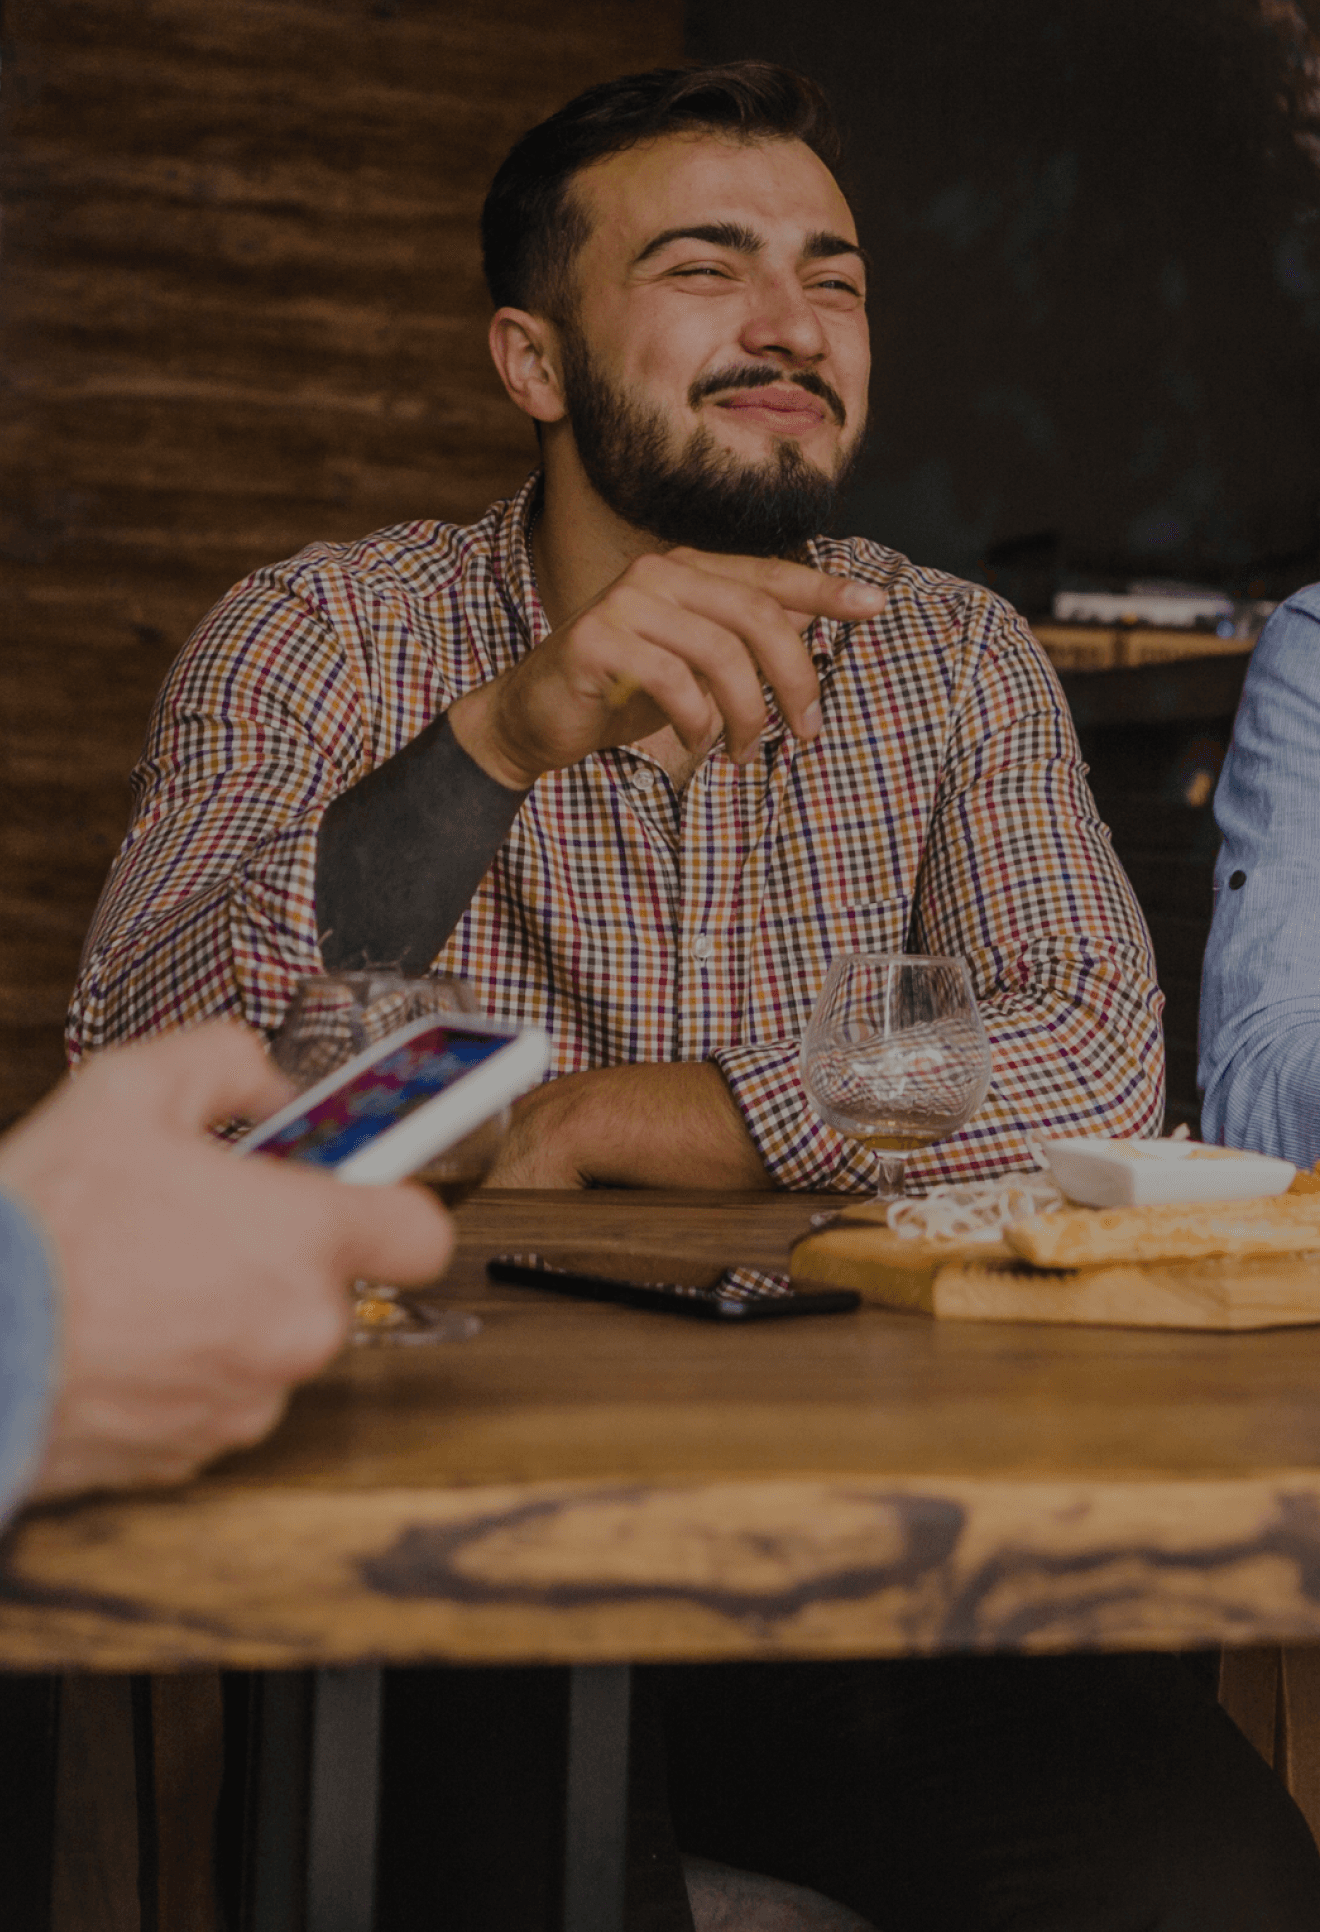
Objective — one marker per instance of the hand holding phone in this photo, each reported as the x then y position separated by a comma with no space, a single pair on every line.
392,1108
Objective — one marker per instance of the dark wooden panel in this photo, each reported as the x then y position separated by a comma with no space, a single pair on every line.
242,309
1143,694
1154,737
1170,887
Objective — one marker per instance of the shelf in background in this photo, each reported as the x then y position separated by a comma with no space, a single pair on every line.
1109,647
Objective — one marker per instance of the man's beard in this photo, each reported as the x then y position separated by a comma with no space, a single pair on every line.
702,496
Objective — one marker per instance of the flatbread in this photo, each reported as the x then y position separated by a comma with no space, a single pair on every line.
1095,1237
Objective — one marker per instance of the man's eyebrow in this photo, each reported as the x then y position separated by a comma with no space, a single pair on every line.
821,247
720,234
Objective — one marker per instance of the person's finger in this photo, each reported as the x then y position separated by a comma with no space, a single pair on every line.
303,1330
797,587
206,1074
641,683
646,680
769,641
231,1073
397,1234
252,1421
718,654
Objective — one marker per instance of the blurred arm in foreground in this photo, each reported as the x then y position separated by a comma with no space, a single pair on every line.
158,1297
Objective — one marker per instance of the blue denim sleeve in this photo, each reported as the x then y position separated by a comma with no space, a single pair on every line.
28,1328
1260,989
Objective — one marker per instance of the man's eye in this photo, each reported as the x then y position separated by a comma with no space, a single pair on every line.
702,268
836,285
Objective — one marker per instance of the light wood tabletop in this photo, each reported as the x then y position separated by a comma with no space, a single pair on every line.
587,1483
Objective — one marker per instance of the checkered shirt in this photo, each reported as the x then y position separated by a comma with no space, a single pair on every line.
943,809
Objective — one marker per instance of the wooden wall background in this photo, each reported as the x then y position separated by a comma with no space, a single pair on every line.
240,307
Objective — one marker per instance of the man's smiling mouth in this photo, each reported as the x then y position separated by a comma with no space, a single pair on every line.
792,404
798,396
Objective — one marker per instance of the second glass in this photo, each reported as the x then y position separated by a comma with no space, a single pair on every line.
331,1017
895,1055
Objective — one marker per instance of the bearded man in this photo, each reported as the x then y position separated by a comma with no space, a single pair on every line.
709,749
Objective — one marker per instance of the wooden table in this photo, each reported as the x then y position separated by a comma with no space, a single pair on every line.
592,1486
581,1483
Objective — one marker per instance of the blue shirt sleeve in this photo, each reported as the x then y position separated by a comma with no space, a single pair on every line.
1260,989
29,1321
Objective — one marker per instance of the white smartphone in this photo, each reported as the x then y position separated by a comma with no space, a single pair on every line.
394,1107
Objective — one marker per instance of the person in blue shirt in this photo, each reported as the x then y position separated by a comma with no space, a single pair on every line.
1260,989
158,1298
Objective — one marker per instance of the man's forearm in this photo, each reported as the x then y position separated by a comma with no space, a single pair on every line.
674,1125
401,853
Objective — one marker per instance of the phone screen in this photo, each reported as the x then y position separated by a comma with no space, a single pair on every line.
382,1095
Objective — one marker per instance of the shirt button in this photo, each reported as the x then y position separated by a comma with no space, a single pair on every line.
1237,881
702,946
643,781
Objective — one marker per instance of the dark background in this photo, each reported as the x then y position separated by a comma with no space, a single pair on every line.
241,308
1096,325
1096,305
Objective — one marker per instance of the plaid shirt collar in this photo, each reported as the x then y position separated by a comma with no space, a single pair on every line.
515,574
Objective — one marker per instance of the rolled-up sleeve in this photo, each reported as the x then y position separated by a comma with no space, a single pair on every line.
795,1144
1260,993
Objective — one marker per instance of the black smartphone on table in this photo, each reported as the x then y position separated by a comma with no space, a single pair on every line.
735,1295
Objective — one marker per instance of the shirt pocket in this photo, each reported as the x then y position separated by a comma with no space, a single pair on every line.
797,950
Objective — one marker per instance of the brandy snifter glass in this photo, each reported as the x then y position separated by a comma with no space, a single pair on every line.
895,1055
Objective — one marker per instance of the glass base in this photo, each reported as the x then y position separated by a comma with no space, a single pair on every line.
893,1177
458,1327
385,1318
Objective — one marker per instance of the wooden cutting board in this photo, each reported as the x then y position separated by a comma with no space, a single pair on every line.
986,1283
861,1252
1270,1291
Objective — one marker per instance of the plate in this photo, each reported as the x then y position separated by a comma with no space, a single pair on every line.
1141,1173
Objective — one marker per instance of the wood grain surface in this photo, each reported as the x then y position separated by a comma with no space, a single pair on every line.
591,1482
241,309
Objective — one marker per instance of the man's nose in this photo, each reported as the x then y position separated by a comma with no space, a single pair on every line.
780,320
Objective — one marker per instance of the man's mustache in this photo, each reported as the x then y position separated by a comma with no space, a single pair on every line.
758,376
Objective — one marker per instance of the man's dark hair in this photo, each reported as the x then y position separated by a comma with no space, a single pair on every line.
531,226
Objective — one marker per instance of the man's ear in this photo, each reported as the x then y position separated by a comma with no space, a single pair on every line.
525,350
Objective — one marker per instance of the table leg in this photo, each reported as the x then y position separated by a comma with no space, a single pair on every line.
30,1728
596,1807
344,1799
275,1857
315,1788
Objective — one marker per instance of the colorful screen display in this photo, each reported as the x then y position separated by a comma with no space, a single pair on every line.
381,1096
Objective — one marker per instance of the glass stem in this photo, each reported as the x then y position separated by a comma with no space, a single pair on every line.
893,1175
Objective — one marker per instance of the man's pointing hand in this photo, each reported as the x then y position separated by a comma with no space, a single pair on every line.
687,639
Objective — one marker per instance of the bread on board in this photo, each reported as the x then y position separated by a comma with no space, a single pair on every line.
1095,1237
